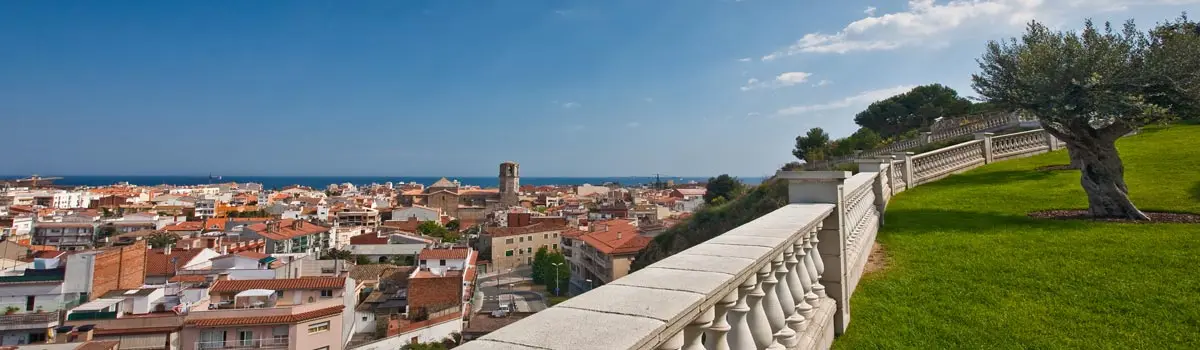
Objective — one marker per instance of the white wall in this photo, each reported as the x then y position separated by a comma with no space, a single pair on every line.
366,322
433,333
422,214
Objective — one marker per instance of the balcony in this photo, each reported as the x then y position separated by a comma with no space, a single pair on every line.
264,343
33,320
280,309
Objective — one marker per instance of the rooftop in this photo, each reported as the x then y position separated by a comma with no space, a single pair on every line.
279,284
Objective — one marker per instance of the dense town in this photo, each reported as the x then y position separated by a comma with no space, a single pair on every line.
378,266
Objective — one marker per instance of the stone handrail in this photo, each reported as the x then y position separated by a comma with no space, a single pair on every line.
782,281
1007,146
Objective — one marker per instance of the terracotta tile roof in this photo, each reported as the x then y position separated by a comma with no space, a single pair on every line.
408,225
512,231
369,272
159,264
444,253
368,238
279,284
285,230
252,254
185,226
615,237
445,183
267,320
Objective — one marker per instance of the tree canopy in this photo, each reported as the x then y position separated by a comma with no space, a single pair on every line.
432,228
1088,88
810,147
161,239
912,110
724,186
544,269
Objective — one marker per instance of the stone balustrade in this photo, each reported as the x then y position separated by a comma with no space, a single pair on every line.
782,281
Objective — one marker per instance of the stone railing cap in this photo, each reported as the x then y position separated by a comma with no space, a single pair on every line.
873,160
813,175
903,153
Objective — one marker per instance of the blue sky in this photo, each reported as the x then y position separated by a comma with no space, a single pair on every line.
409,88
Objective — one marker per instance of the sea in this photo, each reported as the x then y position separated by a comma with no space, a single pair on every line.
320,182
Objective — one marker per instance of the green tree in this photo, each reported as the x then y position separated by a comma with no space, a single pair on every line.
161,239
453,225
362,260
431,228
451,237
549,267
718,201
810,146
106,231
425,346
912,110
725,186
334,253
1088,89
863,139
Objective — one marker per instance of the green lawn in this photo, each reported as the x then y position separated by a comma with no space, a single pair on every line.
968,269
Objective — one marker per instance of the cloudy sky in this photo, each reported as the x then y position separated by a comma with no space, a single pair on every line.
567,88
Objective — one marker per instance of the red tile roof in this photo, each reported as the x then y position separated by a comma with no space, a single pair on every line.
409,225
159,264
279,284
444,253
185,226
615,237
266,320
286,231
368,238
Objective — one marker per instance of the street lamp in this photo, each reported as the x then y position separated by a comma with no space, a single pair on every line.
556,279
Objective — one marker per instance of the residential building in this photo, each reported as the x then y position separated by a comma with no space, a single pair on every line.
65,235
35,298
603,253
515,246
469,203
298,314
358,217
163,264
421,213
290,236
687,193
206,208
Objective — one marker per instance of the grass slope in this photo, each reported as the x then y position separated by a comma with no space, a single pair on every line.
968,269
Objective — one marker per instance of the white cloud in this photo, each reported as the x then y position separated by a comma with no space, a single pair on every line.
861,99
648,99
570,105
753,114
633,124
823,82
782,80
744,59
926,22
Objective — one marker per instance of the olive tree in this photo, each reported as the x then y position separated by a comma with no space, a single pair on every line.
1088,88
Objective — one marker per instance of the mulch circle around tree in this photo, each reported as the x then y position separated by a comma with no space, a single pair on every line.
1155,217
1055,167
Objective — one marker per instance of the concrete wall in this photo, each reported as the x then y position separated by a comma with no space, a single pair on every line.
432,333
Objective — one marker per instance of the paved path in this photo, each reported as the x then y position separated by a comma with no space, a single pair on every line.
508,288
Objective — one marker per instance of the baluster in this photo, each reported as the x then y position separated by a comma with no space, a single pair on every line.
771,303
787,335
760,326
818,265
740,336
672,343
807,298
717,333
693,334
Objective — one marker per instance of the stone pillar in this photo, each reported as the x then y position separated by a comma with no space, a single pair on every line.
926,137
987,146
882,185
788,335
760,323
826,187
1051,141
716,337
908,168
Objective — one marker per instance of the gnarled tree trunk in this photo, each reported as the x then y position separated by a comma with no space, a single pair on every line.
1103,177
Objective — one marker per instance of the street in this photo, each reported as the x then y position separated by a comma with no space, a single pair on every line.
511,287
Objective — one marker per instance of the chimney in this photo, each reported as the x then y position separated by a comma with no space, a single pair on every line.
85,332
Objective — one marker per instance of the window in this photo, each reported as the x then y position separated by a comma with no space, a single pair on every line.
245,337
36,338
555,246
327,293
29,303
364,318
423,262
508,252
529,250
280,334
556,235
521,239
442,262
545,235
508,241
318,328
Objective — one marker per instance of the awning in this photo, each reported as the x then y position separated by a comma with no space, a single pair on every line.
255,293
98,304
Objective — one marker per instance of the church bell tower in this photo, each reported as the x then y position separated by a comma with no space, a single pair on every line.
510,183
